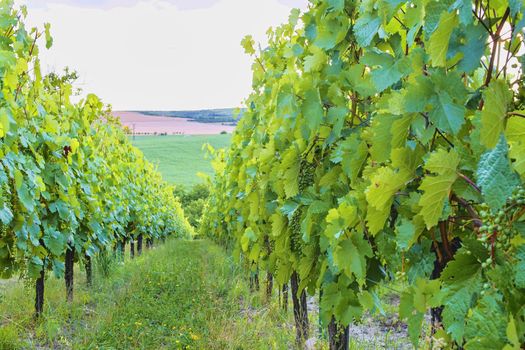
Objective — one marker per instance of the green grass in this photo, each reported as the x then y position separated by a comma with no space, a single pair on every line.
180,158
181,295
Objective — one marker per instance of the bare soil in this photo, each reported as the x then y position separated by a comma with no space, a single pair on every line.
143,124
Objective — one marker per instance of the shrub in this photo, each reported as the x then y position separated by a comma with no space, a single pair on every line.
193,201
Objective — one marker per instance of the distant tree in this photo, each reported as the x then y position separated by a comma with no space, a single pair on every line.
193,201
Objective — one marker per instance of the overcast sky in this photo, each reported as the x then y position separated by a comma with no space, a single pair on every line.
158,55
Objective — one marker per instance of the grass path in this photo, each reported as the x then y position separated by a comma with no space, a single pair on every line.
182,295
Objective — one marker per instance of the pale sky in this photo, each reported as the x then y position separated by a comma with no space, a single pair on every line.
158,54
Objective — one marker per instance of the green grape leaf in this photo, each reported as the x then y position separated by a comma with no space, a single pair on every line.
391,69
286,103
34,266
248,45
318,207
495,176
465,11
512,336
406,233
414,318
350,256
55,242
248,236
355,152
315,61
439,41
349,309
339,219
365,28
421,259
519,277
426,294
312,109
473,47
462,269
290,168
289,208
381,137
462,277
376,219
49,38
58,268
6,215
331,31
418,94
448,115
294,17
455,312
515,7
4,122
384,185
496,99
486,328
436,189
7,59
515,134
336,5
26,198
359,81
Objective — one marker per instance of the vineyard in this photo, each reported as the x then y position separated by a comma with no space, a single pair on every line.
377,169
72,186
384,145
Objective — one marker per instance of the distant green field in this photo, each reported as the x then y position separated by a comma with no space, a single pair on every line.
180,158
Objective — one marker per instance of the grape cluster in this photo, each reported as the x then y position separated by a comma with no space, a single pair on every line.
306,175
7,239
485,288
11,191
497,229
306,179
4,200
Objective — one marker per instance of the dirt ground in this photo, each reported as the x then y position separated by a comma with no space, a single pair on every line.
150,125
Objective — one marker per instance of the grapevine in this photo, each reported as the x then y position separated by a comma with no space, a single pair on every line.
412,114
72,183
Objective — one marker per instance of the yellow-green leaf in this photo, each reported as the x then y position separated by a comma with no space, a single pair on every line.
515,134
436,189
438,42
496,98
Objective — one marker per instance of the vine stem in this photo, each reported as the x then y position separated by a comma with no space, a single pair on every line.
469,181
11,28
482,23
353,98
444,137
476,221
437,130
493,247
518,215
260,64
495,38
37,35
516,114
436,247
444,238
509,55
